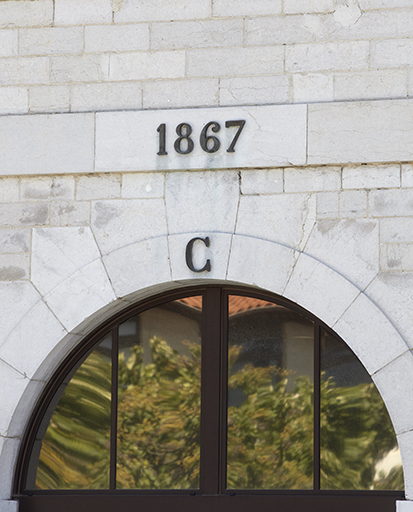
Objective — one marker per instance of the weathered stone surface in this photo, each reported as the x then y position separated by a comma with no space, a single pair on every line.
360,132
46,144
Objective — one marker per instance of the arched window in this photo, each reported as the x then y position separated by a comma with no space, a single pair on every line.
211,398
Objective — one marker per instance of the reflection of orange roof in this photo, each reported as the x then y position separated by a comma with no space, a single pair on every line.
237,303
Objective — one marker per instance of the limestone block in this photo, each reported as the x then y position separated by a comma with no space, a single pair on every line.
23,214
407,175
81,295
312,179
14,100
15,383
57,253
9,506
404,506
396,257
213,62
46,144
262,181
383,83
327,205
60,252
197,34
53,98
26,13
394,389
356,132
405,441
260,263
132,268
320,290
70,213
117,223
277,30
313,87
82,12
284,218
196,202
147,10
49,41
254,90
41,188
377,176
394,53
9,190
396,230
108,96
353,203
180,93
8,453
308,6
83,68
245,8
27,357
382,4
8,43
392,292
12,293
351,247
14,267
147,65
98,186
272,136
369,334
347,24
15,240
24,70
327,56
217,253
116,38
390,203
143,185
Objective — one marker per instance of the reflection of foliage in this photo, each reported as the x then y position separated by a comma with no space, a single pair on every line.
75,452
356,434
270,432
159,419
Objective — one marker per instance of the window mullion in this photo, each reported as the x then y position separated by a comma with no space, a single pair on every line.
114,409
210,391
317,409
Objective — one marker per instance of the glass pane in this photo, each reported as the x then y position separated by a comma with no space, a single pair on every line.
270,397
159,397
358,446
76,448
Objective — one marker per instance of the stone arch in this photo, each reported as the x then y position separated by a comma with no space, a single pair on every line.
241,260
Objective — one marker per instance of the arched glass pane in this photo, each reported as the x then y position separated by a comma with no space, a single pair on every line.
75,450
358,446
270,397
159,397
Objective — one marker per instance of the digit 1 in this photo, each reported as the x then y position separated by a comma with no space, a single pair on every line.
162,139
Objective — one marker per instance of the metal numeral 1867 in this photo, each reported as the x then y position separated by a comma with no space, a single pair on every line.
209,143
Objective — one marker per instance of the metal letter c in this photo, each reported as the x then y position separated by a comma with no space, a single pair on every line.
189,262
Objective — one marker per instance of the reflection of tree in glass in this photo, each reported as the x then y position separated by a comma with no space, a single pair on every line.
270,432
159,418
75,450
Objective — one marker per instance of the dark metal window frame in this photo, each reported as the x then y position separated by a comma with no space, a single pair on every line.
212,494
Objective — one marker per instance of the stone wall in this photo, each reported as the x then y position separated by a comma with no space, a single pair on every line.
86,55
322,214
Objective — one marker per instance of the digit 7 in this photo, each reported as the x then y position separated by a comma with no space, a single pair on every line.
230,124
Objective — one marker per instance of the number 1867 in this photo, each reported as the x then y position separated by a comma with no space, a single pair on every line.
184,143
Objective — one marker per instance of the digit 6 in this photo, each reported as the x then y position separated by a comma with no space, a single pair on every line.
205,140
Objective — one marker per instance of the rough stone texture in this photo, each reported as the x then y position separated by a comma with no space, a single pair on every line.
317,207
